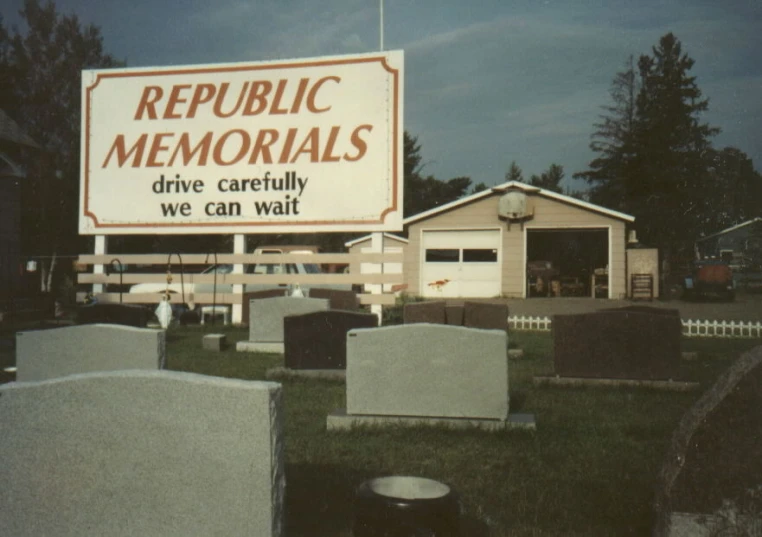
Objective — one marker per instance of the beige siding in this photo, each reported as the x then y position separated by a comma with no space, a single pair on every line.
548,213
354,268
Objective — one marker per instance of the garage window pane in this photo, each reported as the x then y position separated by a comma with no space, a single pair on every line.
442,256
485,255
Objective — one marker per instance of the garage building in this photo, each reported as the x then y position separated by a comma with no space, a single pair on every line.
517,241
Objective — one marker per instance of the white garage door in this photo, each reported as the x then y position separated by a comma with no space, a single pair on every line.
461,263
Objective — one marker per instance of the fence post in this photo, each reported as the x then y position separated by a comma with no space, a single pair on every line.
239,247
101,248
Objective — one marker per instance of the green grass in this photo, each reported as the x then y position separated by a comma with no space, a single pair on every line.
589,469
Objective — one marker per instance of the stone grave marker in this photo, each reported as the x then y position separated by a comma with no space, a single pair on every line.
266,320
714,457
486,315
424,312
454,314
113,313
318,340
427,370
256,295
47,354
339,299
626,343
130,453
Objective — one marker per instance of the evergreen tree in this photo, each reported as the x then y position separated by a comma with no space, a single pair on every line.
549,179
514,173
611,173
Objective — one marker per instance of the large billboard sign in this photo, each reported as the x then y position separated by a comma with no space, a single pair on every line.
282,146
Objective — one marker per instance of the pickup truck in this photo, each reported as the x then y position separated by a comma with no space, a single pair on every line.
191,289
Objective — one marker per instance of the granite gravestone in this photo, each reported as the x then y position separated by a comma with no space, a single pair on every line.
266,320
106,313
454,314
627,343
318,340
256,295
424,312
338,299
486,315
130,453
47,354
427,370
715,459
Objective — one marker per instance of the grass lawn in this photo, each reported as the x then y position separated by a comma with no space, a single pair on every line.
589,468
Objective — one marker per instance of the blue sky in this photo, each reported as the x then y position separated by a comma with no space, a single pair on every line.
487,81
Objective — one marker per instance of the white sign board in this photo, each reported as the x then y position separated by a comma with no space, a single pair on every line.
283,146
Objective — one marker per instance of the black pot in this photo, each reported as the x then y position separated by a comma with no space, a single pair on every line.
404,506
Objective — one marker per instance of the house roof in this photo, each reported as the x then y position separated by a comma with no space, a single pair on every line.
732,228
520,186
11,132
368,237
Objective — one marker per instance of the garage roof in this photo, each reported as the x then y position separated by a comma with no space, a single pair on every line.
368,237
499,189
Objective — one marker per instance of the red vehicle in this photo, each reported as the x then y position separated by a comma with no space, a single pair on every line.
711,278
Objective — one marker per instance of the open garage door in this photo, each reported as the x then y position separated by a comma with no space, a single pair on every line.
568,262
461,264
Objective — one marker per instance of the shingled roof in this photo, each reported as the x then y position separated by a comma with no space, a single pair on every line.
11,132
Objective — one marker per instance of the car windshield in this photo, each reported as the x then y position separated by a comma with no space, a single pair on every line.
219,269
311,268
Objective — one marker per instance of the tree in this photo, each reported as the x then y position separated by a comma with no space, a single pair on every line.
423,193
42,68
733,191
549,179
653,150
671,145
611,173
514,173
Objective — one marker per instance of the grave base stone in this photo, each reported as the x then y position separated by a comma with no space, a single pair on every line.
131,453
339,420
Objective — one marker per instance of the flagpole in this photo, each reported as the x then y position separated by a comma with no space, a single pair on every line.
377,237
381,25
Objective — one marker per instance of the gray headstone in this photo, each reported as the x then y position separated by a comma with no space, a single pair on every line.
427,370
47,354
154,453
258,295
424,312
715,456
266,315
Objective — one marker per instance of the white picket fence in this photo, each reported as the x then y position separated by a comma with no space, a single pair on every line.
691,328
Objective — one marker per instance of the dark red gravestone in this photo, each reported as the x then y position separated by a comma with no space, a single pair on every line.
338,299
318,340
715,454
424,312
627,343
487,315
255,295
454,315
